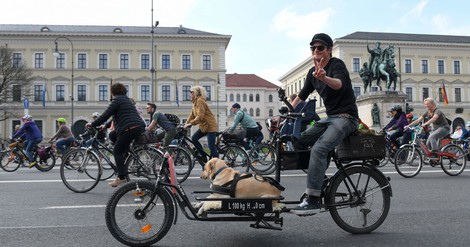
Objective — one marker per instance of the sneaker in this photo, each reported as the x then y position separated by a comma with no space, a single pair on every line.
309,206
116,182
32,164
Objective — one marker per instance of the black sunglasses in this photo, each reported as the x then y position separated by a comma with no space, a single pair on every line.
318,47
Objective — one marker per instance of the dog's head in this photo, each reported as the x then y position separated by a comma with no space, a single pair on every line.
211,167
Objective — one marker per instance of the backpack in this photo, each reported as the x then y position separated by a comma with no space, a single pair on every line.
173,118
259,126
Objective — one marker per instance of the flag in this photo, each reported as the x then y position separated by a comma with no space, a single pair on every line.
44,92
177,98
444,94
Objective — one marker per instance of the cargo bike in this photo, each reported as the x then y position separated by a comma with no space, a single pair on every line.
357,196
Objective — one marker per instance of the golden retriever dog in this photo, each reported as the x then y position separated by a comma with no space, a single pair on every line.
252,187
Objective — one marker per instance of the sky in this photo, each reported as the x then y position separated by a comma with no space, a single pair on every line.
268,37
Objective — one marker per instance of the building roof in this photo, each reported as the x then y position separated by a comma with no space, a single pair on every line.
247,80
373,36
20,28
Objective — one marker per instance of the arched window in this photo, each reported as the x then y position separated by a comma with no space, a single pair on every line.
270,98
257,112
251,111
244,97
270,112
238,97
231,97
251,97
257,97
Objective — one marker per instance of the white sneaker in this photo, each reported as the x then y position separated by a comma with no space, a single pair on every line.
116,182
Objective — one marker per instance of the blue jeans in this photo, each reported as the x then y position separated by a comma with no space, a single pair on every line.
63,144
210,142
323,137
29,145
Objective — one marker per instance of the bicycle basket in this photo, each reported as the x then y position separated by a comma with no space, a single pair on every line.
362,147
236,136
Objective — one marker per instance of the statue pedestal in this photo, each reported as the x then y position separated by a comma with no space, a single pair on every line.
385,100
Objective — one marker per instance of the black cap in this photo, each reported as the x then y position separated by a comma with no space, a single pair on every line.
322,37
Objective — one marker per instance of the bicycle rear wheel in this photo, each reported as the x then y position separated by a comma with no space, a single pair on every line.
453,166
80,170
235,156
7,164
45,165
182,161
144,161
263,159
130,223
361,212
408,161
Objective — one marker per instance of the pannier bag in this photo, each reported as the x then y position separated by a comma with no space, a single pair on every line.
360,146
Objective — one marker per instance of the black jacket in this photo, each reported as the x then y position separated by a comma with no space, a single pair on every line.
124,114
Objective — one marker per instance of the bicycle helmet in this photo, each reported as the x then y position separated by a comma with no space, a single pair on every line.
283,109
396,108
409,115
61,120
96,114
27,118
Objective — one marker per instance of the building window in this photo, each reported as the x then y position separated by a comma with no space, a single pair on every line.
409,94
60,61
16,93
17,59
440,66
38,60
356,64
374,89
270,112
424,67
231,97
458,95
206,62
186,92
457,67
238,97
244,97
37,92
165,61
270,98
81,60
124,61
60,93
258,112
357,91
81,93
103,93
251,97
145,93
257,97
425,93
145,61
209,92
407,65
186,62
251,112
103,61
165,92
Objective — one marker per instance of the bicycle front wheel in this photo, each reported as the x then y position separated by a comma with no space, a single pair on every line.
9,163
133,224
360,211
453,166
182,161
408,161
235,156
263,159
80,170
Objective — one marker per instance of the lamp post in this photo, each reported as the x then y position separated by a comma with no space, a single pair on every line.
57,54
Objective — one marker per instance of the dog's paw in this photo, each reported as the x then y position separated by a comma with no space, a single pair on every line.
198,205
278,207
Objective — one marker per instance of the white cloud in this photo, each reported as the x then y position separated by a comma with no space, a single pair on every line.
414,13
300,27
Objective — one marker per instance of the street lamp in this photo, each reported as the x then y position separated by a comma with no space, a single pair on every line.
57,54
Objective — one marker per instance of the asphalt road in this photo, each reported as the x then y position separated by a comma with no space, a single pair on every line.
432,209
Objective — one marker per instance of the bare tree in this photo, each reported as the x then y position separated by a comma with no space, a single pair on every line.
15,82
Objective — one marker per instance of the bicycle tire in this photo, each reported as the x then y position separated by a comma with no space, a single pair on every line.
235,156
144,161
364,217
47,164
182,161
7,164
263,159
453,166
108,168
80,170
132,227
408,161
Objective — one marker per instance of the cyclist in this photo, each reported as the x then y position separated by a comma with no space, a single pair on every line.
64,134
33,137
101,137
253,132
408,133
397,124
441,127
161,120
